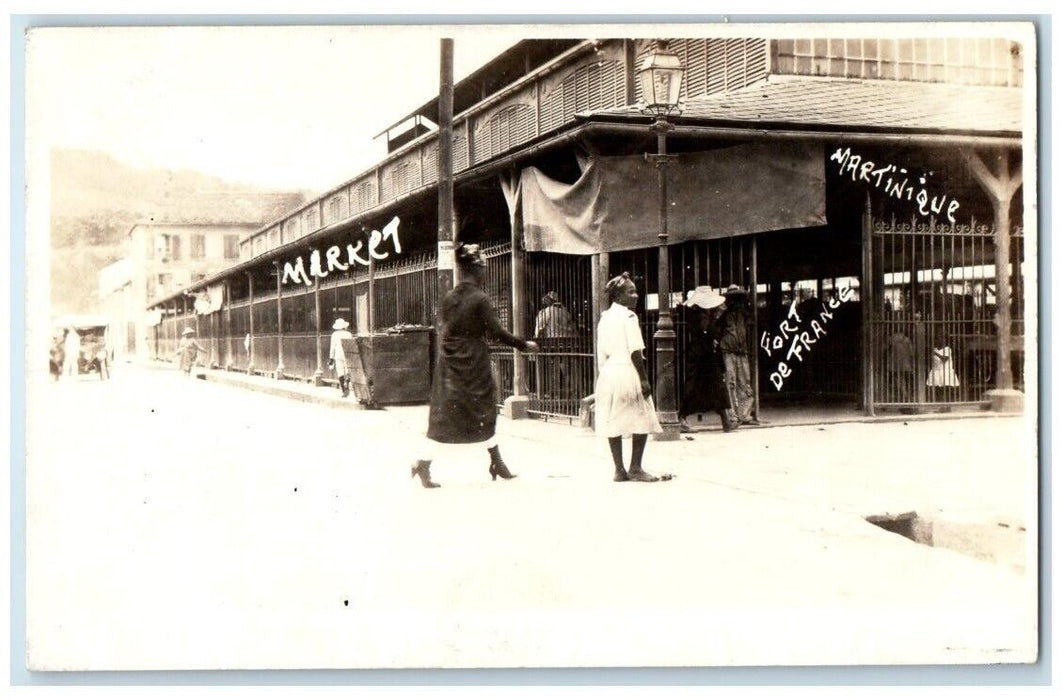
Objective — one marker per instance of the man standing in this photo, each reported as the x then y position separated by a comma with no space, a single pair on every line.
553,321
71,352
734,343
554,331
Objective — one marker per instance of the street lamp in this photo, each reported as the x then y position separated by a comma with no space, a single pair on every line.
660,77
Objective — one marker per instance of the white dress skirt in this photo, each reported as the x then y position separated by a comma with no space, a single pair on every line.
619,407
941,371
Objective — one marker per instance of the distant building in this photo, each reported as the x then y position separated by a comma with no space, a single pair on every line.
163,258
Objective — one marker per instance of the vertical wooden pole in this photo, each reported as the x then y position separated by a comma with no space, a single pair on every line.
598,278
1000,186
445,269
318,372
250,322
1001,207
866,297
372,295
227,316
754,297
519,296
280,324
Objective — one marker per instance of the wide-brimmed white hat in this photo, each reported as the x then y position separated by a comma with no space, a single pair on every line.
704,297
340,324
188,331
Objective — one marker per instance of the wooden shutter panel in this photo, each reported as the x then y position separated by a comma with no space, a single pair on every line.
716,77
696,62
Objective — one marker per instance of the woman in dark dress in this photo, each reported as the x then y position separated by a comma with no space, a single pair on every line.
463,409
704,390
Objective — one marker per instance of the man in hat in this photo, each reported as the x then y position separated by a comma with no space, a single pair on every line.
553,321
734,342
188,350
553,331
337,359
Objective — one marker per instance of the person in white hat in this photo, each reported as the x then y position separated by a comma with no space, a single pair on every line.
337,359
188,350
704,389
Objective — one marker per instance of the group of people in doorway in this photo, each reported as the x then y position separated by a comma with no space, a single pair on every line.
719,376
904,355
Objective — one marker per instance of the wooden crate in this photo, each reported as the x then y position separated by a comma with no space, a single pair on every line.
390,368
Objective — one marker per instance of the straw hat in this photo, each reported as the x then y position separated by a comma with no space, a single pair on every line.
188,331
340,324
704,297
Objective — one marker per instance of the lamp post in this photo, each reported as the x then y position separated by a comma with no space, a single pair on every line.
660,77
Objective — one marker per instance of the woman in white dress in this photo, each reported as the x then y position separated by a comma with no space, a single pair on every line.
337,358
942,381
623,404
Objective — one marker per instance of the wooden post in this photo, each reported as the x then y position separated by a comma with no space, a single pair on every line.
445,263
280,324
519,296
598,304
1000,184
372,292
227,315
250,322
318,373
866,296
754,297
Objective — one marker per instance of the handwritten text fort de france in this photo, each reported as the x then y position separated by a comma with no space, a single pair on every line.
799,341
896,183
297,272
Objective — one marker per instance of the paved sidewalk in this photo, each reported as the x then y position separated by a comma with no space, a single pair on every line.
933,475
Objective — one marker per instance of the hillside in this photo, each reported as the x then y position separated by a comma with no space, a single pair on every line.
95,200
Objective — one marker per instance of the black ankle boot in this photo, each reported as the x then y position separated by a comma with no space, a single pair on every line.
497,465
422,468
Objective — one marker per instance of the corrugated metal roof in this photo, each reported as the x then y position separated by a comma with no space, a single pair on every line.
860,104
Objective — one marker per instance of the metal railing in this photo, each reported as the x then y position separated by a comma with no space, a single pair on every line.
933,320
562,374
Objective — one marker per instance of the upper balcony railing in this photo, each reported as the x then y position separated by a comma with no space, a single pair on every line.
589,76
599,75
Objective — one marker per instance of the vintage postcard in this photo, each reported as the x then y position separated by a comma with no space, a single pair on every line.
531,346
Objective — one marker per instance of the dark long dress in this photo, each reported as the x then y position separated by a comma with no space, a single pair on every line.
704,390
463,392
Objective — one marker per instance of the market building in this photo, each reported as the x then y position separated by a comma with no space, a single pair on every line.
870,185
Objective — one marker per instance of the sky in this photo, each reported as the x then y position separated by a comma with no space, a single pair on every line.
277,107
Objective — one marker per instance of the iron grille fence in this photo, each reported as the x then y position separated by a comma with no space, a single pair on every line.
497,283
933,331
563,372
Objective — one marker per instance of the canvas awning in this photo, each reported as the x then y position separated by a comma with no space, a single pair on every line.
712,194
